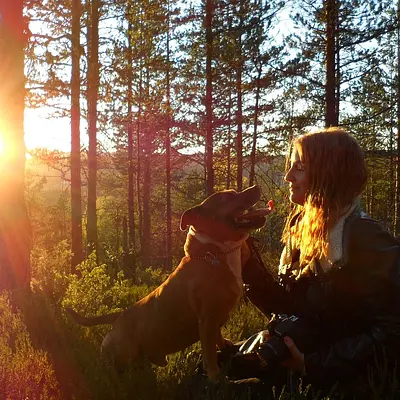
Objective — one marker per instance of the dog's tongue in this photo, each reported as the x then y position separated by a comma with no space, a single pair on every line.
260,212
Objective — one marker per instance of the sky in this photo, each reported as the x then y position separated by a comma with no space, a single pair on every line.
43,131
52,133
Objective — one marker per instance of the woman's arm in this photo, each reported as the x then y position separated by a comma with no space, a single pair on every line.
374,256
262,289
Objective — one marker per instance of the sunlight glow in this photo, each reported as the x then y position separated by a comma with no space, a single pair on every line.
7,149
1,144
44,132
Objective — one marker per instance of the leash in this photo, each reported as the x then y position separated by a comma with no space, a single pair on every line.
213,258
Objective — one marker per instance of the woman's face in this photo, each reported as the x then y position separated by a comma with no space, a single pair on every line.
297,177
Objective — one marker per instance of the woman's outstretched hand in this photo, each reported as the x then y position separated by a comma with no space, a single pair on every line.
296,363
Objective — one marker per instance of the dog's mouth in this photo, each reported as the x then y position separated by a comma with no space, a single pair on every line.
251,218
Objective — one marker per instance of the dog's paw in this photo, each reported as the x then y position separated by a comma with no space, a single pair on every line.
225,343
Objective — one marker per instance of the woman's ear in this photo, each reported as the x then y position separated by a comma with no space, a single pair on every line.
189,217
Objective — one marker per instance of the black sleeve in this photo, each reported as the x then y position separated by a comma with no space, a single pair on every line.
262,288
374,255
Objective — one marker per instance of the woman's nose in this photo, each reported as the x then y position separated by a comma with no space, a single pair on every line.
289,177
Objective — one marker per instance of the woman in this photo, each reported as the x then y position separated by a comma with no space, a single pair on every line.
339,267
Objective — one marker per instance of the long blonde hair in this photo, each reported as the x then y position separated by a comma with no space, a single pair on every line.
337,174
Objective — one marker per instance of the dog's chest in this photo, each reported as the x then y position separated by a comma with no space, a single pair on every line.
235,265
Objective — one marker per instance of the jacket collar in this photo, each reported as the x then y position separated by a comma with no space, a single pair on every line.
337,247
336,243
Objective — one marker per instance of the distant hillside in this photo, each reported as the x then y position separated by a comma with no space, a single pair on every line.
58,175
56,180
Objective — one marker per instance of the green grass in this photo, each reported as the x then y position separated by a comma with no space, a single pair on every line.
43,355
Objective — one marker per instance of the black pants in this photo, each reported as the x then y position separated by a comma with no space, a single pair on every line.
241,385
200,388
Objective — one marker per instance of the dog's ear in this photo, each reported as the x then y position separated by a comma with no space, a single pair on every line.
189,217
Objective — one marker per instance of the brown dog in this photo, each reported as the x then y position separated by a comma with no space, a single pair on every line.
197,298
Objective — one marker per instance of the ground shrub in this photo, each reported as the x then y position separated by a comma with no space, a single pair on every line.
25,372
51,270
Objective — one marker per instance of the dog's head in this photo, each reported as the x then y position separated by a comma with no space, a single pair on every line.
227,215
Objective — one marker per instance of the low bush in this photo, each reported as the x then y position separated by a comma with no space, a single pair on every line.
25,372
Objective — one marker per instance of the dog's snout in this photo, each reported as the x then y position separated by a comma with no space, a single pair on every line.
253,192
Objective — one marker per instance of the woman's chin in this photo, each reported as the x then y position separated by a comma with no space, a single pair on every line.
295,199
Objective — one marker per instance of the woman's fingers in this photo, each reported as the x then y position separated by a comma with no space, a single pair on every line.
297,361
294,351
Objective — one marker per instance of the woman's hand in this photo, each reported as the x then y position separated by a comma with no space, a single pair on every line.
296,363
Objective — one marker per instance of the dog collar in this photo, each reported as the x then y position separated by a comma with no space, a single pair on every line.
213,259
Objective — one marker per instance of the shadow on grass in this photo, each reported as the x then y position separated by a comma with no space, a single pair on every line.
74,355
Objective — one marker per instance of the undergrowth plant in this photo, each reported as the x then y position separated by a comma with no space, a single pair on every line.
26,372
44,355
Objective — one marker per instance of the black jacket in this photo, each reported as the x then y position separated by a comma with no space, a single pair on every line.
357,302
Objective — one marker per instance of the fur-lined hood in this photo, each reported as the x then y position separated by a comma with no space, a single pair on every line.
337,249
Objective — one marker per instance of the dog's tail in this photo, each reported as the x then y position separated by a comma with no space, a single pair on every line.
95,320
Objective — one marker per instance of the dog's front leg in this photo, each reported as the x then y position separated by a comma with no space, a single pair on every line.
209,331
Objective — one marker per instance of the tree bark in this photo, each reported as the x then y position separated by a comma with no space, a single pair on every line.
239,106
147,152
168,210
255,128
209,89
93,85
397,172
76,195
15,232
131,197
331,118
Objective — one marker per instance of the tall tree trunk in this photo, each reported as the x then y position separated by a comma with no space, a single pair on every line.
255,127
131,197
239,105
147,151
229,144
15,232
397,191
168,209
139,160
76,195
139,146
146,244
330,95
239,124
93,86
392,177
337,63
209,89
125,234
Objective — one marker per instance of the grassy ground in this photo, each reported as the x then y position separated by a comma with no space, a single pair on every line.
45,356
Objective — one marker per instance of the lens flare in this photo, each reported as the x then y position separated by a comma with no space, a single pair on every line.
1,143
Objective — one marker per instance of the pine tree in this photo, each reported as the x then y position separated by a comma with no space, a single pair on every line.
15,234
92,100
76,197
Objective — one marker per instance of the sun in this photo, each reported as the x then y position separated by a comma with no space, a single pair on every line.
8,147
1,143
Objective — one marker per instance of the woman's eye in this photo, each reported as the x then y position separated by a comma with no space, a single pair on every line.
299,166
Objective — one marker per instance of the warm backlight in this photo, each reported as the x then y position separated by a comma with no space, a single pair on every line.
7,149
2,145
